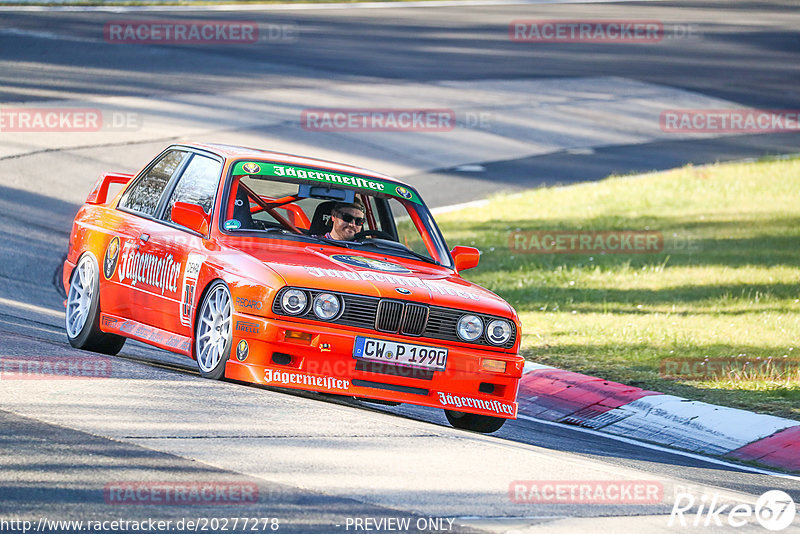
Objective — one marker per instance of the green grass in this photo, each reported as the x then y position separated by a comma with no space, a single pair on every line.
725,286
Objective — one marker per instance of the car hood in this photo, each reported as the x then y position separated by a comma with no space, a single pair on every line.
376,275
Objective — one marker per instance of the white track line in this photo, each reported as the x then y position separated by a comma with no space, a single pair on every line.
663,449
454,207
31,308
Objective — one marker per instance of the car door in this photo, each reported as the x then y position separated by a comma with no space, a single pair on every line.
179,250
137,278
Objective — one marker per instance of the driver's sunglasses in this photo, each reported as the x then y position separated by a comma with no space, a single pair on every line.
346,217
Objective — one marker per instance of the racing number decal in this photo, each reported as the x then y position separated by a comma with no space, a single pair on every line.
186,304
193,264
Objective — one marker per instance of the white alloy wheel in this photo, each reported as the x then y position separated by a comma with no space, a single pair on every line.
82,320
79,299
214,332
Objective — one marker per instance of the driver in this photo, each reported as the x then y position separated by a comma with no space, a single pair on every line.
347,219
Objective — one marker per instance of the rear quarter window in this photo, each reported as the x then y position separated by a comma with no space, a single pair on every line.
144,195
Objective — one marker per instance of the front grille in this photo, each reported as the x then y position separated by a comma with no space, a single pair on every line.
442,323
397,316
389,316
358,311
415,319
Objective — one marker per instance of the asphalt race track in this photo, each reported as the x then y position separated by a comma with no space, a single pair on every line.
528,114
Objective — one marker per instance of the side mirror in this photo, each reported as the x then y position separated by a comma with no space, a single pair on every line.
465,257
191,216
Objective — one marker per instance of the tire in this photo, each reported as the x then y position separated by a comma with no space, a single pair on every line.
213,331
82,318
484,424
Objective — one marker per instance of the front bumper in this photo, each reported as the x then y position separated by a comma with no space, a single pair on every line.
320,358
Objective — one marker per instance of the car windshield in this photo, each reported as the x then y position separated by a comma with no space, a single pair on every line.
287,202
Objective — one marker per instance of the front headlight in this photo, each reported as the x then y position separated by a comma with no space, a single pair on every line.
470,327
294,301
326,306
498,332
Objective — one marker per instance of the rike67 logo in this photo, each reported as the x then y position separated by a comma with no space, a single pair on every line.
774,510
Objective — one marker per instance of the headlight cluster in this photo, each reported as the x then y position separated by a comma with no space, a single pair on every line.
470,328
325,306
294,302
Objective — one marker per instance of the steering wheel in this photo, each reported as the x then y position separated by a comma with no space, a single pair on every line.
373,233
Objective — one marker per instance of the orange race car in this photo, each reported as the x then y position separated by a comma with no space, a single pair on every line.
292,272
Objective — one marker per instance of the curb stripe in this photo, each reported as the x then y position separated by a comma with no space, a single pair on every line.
558,395
661,448
551,394
694,425
781,449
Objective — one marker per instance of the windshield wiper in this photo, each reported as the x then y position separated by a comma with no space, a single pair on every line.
394,245
382,244
334,242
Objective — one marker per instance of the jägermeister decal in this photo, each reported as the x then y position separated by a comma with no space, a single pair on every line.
326,177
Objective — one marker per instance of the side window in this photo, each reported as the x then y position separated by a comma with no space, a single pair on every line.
197,185
144,195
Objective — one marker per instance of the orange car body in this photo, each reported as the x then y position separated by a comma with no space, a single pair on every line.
153,274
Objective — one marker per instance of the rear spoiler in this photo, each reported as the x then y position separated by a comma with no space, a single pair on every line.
100,193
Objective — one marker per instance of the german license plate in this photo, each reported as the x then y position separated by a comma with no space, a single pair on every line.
408,354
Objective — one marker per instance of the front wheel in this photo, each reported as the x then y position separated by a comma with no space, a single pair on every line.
83,311
213,333
484,424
